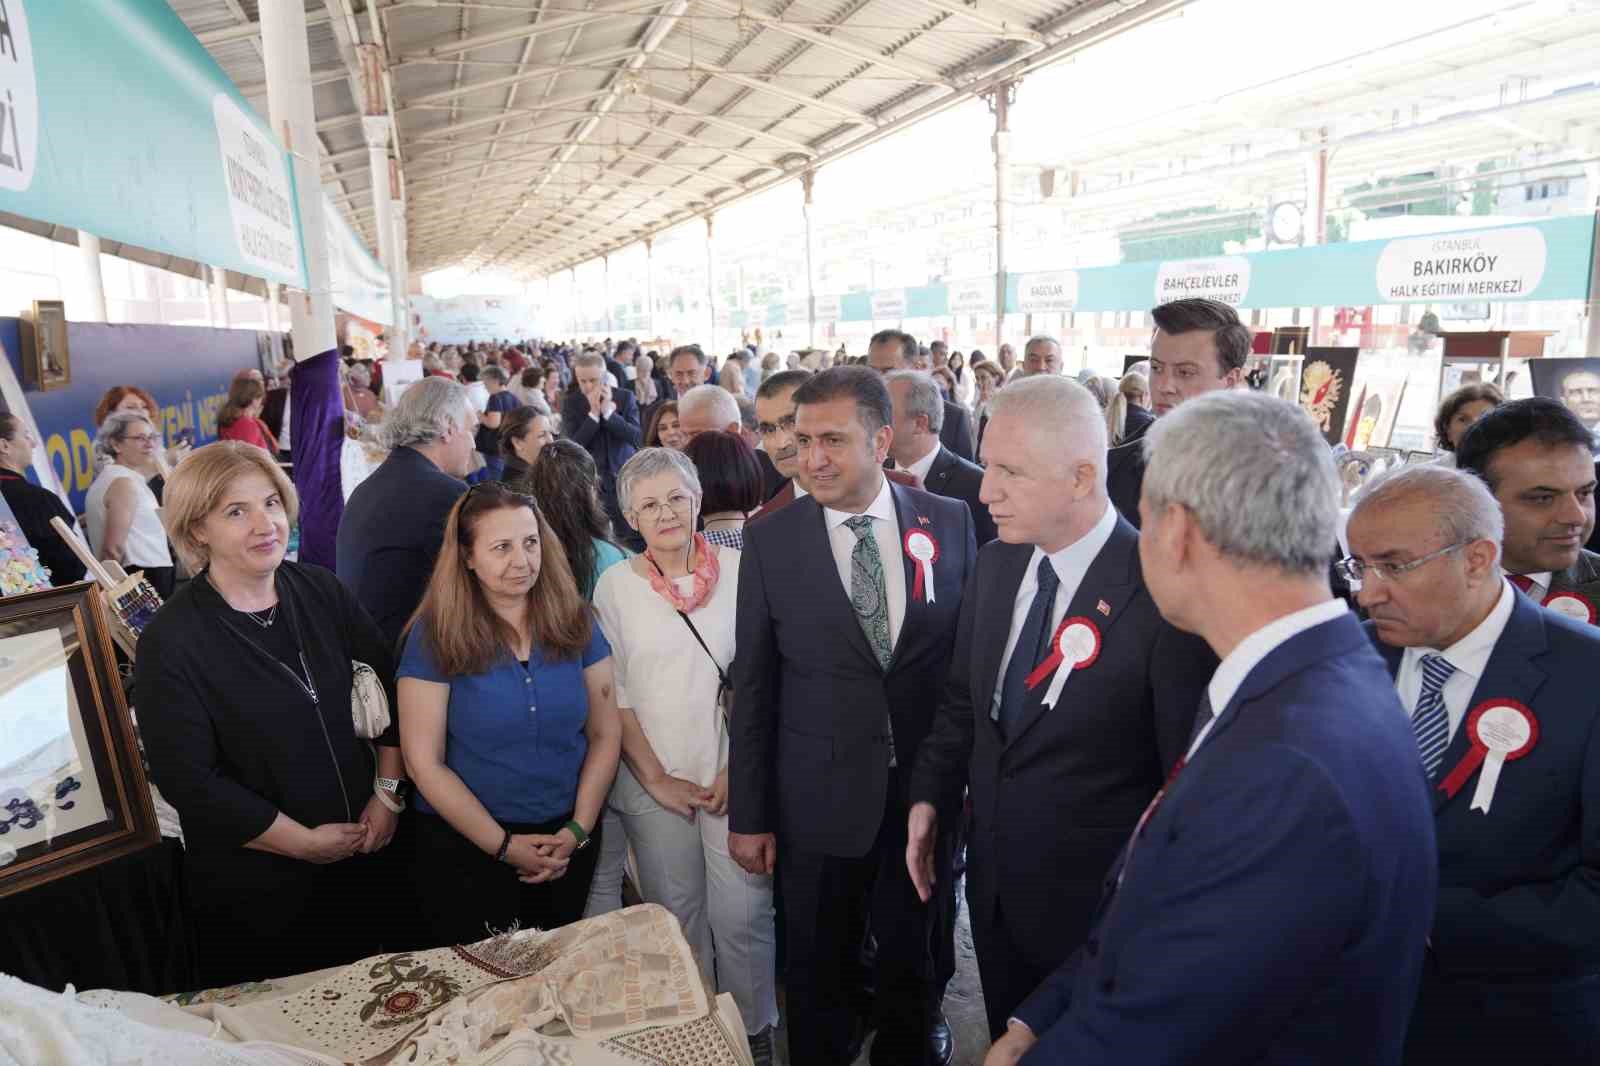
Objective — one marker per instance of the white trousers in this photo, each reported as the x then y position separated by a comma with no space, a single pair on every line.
726,914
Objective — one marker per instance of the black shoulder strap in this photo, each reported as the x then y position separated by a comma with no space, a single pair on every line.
722,677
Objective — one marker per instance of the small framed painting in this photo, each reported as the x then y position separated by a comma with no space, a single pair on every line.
46,360
73,791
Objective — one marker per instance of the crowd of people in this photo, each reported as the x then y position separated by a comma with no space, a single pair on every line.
1232,773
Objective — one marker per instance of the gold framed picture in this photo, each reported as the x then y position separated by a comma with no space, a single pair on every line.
46,360
73,791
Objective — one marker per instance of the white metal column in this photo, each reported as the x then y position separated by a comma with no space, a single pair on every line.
711,283
89,246
650,286
1000,103
273,290
400,344
808,181
287,57
219,297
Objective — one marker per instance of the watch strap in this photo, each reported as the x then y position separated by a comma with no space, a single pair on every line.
579,833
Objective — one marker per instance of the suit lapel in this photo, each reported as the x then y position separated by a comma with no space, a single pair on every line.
1511,674
907,519
1109,581
997,631
939,472
817,555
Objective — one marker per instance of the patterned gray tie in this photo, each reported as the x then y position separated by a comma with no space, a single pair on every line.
870,597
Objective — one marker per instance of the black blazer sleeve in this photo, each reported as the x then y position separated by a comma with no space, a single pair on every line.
945,757
752,728
180,739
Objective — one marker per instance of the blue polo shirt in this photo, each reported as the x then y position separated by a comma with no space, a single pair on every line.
514,734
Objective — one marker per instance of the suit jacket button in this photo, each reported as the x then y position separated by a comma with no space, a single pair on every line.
1109,985
1091,947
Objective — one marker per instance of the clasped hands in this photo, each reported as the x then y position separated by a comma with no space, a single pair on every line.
541,857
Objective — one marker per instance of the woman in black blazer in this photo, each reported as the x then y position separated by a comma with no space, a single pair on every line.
33,506
243,691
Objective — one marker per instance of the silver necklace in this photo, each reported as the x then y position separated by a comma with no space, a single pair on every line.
264,623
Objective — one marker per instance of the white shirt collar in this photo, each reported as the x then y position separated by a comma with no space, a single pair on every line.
920,468
1542,581
1073,561
1249,652
799,489
881,507
1470,654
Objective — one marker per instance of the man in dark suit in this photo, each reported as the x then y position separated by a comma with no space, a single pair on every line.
605,421
1085,766
1536,456
891,350
1513,967
687,366
848,600
393,523
916,450
1199,346
620,364
1272,904
775,428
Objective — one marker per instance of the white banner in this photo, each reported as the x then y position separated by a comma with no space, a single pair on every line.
474,318
827,309
1050,290
1494,264
360,284
259,197
973,296
889,305
1225,278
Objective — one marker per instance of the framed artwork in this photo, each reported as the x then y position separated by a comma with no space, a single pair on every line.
73,792
1325,386
46,360
1575,382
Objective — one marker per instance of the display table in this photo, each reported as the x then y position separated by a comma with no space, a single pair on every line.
610,991
120,925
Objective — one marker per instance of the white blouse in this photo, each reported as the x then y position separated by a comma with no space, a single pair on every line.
146,542
663,674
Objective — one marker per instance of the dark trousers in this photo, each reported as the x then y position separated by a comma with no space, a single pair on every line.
1007,969
824,896
1521,1021
465,895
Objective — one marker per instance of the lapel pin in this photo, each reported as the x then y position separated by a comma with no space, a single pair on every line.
922,520
1104,608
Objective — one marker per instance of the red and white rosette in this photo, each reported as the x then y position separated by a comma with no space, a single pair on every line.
1075,645
1500,731
921,546
1571,604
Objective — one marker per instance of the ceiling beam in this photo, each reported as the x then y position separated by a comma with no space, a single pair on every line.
999,27
532,29
244,31
849,114
610,55
442,133
732,127
841,43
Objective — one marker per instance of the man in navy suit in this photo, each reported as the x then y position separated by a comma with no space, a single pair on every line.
917,450
848,600
606,422
890,350
1272,905
1513,967
1087,765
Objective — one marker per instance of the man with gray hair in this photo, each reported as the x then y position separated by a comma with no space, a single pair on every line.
1272,904
1080,747
1041,355
1514,949
917,450
605,421
709,407
394,521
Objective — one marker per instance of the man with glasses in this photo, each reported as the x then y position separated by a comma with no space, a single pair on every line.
1506,715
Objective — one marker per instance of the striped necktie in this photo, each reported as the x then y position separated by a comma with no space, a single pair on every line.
1431,722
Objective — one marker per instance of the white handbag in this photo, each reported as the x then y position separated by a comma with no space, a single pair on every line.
369,703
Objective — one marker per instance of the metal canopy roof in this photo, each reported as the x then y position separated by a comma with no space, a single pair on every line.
535,134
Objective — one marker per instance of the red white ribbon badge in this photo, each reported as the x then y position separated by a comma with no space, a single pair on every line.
1500,731
921,546
1075,646
1572,605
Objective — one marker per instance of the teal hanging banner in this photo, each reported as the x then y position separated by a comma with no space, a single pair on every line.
115,120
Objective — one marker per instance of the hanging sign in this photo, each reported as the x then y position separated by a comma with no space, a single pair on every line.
889,305
1050,290
795,312
360,285
1225,278
827,309
116,121
974,296
1498,264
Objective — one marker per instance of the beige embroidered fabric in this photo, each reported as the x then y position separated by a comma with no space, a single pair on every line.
619,989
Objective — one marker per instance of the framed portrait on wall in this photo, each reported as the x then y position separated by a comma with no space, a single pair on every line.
73,792
46,360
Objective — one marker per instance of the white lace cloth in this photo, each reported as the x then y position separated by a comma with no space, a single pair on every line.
43,1028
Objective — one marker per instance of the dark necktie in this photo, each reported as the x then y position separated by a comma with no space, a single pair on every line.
1522,581
1033,645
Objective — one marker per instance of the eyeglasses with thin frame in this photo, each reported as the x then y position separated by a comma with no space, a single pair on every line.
141,438
1354,570
785,424
651,510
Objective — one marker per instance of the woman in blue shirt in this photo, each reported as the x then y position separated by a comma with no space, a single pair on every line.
509,726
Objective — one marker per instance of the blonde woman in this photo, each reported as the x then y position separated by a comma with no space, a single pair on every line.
1128,414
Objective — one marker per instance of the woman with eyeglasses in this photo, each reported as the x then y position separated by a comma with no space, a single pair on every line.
123,515
508,721
669,615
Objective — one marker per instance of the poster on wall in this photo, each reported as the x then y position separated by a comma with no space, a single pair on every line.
1575,382
1380,388
464,319
1324,392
